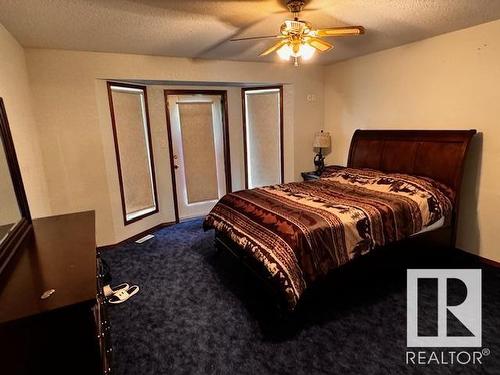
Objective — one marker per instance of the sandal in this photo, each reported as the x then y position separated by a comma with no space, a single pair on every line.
109,290
123,295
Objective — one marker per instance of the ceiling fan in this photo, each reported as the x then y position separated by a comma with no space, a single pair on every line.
299,40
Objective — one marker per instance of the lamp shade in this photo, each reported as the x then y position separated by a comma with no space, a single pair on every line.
322,140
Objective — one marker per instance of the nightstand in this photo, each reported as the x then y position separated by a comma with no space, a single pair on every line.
309,176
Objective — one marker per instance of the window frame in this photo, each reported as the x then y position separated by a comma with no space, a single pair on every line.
244,117
111,84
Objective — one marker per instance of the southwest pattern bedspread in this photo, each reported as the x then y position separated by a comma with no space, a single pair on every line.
300,231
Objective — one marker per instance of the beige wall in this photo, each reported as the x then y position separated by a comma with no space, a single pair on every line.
70,103
446,82
15,91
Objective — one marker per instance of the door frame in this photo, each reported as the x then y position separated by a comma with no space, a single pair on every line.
225,135
244,120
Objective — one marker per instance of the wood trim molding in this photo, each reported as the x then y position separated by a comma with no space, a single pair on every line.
135,237
244,124
243,116
10,244
117,150
227,148
225,135
479,258
171,159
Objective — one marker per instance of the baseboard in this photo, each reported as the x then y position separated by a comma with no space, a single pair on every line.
136,236
186,219
481,259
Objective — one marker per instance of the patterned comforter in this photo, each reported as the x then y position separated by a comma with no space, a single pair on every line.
300,231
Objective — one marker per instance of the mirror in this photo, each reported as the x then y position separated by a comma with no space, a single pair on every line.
10,214
15,219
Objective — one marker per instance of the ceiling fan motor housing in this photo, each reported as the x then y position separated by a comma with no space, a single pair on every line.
295,27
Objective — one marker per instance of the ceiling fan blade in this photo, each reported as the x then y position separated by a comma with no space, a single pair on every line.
319,44
340,31
274,47
258,37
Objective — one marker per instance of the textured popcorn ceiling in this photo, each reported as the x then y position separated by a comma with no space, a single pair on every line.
202,28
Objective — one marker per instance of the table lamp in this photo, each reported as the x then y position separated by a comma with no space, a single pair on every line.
321,140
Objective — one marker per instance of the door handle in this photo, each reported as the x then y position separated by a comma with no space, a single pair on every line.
176,166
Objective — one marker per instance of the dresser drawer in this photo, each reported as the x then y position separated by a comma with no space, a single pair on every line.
103,325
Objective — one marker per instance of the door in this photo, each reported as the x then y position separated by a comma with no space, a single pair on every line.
197,134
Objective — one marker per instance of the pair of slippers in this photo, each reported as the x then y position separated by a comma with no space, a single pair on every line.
120,293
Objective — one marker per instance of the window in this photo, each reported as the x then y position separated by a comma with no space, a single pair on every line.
134,154
263,136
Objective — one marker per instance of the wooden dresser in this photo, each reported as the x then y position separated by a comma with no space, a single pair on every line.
67,332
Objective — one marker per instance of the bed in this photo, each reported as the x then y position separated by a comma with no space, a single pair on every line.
397,185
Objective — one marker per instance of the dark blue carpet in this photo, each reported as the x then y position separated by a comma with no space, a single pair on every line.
199,312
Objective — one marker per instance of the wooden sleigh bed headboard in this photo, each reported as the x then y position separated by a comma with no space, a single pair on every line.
437,154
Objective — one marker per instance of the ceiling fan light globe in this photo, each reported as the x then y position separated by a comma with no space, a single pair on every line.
284,52
307,51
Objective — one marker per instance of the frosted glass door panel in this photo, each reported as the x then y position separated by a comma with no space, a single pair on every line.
198,147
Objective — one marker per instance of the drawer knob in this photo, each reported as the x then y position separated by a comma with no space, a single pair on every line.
47,293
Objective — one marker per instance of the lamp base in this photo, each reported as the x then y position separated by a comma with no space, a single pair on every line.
319,162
